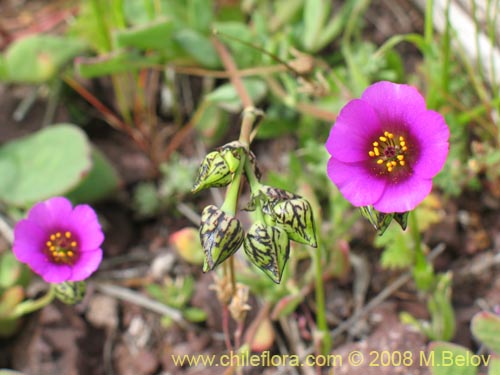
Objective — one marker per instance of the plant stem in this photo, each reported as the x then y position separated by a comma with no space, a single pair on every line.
422,271
30,305
322,324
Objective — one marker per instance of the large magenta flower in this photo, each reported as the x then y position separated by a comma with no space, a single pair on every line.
386,147
59,242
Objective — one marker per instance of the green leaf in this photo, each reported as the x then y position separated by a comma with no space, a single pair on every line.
49,162
152,36
493,366
485,327
198,46
200,14
194,314
226,97
398,248
10,270
445,358
39,58
116,62
315,12
101,181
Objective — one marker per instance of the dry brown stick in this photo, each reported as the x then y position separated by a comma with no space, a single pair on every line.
382,296
232,70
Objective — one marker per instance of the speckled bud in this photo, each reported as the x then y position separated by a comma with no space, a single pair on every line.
379,220
221,236
213,172
296,218
70,292
268,248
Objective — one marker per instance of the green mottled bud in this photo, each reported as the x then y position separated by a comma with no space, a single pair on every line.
213,172
402,219
231,152
221,236
296,218
70,292
379,220
268,248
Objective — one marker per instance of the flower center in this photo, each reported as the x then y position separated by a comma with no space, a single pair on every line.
62,248
389,151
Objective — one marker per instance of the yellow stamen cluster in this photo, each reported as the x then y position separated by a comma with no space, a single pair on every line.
389,151
62,247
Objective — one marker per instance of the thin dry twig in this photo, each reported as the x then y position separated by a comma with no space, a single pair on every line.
232,70
382,296
143,301
6,230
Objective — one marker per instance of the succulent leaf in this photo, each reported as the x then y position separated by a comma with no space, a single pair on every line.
268,248
221,235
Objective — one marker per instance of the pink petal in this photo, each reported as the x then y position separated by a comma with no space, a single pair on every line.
50,214
396,104
29,242
432,134
355,129
404,195
53,273
83,221
355,182
87,264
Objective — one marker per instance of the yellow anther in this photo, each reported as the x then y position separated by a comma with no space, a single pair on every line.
388,164
400,157
67,234
404,148
383,139
58,235
73,244
394,163
52,248
380,161
377,152
401,139
70,254
371,153
390,135
52,237
401,162
48,243
375,144
402,143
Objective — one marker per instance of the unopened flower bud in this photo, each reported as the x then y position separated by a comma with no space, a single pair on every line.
70,292
213,172
379,220
296,218
231,152
221,236
402,219
268,248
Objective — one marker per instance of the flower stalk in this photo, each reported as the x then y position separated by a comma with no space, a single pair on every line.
29,306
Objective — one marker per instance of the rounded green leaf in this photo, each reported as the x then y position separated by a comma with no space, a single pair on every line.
50,162
38,58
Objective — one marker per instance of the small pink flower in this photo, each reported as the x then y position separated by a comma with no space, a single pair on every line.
59,242
386,147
